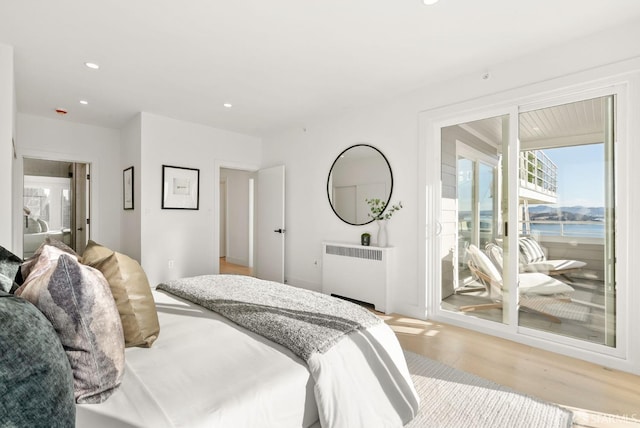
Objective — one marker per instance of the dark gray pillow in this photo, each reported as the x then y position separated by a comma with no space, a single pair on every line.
9,265
76,299
36,384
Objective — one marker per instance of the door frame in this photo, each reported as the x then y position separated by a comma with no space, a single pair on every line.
219,164
222,212
626,355
18,188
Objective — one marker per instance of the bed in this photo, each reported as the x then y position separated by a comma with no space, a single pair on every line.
205,351
204,371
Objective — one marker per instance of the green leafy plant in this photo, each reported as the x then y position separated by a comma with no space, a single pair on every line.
377,208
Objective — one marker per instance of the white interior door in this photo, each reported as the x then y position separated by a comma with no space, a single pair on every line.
270,224
80,183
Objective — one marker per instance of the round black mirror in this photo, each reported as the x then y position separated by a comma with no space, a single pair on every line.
359,173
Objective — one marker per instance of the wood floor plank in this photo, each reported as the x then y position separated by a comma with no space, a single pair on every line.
595,393
233,269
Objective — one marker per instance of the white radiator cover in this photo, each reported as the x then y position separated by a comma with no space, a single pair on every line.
358,272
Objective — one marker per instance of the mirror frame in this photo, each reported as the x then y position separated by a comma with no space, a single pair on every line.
329,181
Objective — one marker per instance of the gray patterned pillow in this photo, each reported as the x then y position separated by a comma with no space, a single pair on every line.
9,265
36,384
77,301
530,251
25,268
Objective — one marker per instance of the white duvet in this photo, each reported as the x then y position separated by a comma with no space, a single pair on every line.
205,371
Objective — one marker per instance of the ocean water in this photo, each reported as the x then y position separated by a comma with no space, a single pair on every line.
567,229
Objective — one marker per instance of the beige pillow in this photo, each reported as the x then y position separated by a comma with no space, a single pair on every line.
131,291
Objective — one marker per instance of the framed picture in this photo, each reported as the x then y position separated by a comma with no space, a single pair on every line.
127,188
180,188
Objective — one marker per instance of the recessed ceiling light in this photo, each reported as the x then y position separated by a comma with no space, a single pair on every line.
92,65
84,102
429,2
228,105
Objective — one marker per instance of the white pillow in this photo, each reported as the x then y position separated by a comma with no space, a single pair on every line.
484,264
44,227
531,250
31,225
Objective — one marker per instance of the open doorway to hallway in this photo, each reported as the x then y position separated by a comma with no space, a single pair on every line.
236,221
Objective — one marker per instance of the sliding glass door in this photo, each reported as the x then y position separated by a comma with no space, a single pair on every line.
532,212
471,217
567,200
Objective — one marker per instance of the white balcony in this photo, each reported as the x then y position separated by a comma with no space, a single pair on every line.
538,178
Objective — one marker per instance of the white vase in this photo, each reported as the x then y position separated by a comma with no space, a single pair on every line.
382,233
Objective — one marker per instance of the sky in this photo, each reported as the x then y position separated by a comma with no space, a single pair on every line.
580,178
580,174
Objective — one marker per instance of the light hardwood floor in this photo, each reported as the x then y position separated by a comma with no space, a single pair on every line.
594,393
230,268
599,397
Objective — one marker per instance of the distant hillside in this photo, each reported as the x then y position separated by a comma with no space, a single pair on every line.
575,213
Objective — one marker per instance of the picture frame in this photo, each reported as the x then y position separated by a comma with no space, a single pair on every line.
180,188
127,188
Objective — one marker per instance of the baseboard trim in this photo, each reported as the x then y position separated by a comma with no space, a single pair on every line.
296,282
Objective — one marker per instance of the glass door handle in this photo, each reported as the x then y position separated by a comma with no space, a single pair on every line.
438,228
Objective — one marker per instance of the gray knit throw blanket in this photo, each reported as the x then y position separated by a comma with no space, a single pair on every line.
306,322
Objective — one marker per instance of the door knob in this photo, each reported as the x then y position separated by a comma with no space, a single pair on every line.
279,230
80,229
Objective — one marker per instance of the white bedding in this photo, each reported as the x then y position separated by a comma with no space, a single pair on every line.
206,371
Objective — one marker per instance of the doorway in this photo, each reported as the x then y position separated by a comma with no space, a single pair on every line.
56,200
236,221
527,217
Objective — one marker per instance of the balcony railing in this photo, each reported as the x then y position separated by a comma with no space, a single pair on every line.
587,229
538,172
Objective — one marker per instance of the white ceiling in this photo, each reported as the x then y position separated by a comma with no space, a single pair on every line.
278,62
576,123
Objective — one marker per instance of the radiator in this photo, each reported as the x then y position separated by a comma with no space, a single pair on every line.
358,273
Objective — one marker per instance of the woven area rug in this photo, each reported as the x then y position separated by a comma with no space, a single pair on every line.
451,398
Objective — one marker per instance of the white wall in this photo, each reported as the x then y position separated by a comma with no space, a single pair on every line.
188,238
131,152
44,138
392,126
238,215
6,147
308,156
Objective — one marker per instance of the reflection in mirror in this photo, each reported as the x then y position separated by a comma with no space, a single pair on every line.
360,172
